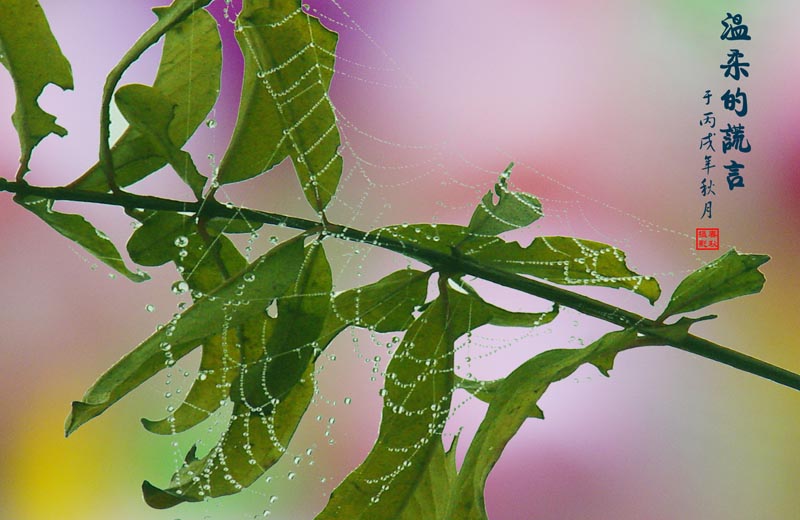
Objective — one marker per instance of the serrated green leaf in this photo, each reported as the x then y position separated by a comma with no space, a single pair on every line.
285,110
515,400
77,229
429,501
560,260
152,114
729,276
236,300
31,54
188,76
253,442
513,209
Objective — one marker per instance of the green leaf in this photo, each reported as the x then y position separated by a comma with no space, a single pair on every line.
384,306
152,114
567,261
290,348
188,77
253,442
230,304
513,210
219,366
729,276
560,260
429,501
419,381
419,384
77,229
31,54
515,400
285,109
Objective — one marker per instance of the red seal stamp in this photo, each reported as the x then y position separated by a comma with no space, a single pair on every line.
706,239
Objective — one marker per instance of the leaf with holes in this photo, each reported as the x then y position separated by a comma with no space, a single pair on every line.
513,209
285,110
189,78
230,304
31,54
561,260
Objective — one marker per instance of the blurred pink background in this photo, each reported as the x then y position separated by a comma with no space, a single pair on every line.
597,104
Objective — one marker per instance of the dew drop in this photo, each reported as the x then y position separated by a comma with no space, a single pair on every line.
211,123
347,400
249,277
150,307
292,475
181,241
273,240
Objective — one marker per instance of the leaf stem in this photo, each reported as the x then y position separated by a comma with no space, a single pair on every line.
145,41
650,330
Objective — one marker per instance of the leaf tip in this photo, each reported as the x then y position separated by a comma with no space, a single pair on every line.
158,498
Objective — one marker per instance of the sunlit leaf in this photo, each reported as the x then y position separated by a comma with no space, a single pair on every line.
151,114
285,110
240,297
31,54
188,77
513,210
77,229
515,400
729,276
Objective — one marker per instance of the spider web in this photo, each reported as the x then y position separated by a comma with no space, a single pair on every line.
390,177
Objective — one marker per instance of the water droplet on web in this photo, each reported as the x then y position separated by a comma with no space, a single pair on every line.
150,307
273,240
297,459
347,400
211,123
180,287
273,499
249,277
292,475
181,241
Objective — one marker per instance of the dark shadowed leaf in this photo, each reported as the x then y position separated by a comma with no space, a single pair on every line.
285,110
77,229
189,77
239,298
31,54
729,276
514,401
429,501
151,114
513,209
